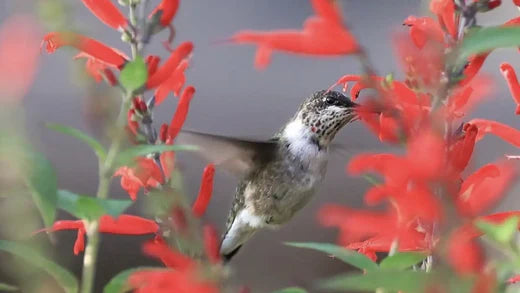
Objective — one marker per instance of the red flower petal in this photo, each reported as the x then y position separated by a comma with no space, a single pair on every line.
168,8
514,279
327,10
79,244
503,131
107,12
206,189
152,62
212,244
181,113
171,258
129,182
484,188
461,152
56,40
127,225
18,56
512,82
167,163
424,29
163,72
174,83
445,11
474,64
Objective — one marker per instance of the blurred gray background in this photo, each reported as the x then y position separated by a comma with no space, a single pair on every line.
235,99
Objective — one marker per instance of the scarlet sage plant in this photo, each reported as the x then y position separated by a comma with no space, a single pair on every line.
432,219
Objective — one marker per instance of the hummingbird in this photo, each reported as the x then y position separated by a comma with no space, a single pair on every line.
278,176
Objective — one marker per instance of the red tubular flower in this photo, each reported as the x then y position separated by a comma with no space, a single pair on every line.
206,189
124,225
97,50
212,244
503,131
174,83
107,12
516,2
127,225
181,113
423,29
165,71
445,11
461,151
18,56
167,8
322,34
146,174
484,188
512,82
514,279
474,64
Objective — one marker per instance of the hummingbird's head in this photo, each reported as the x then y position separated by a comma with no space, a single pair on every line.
324,113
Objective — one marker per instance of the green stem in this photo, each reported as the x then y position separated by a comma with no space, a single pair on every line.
105,174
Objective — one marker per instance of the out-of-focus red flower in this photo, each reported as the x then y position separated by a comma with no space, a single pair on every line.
181,112
322,34
124,225
460,152
107,12
512,82
173,259
503,131
516,2
206,189
98,69
93,48
165,71
174,83
18,56
475,62
484,188
465,254
514,279
167,8
156,281
465,98
152,62
423,29
146,174
212,244
183,274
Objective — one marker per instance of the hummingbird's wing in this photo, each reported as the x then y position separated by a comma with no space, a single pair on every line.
237,156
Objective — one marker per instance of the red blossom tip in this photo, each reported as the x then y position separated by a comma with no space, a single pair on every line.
206,189
163,72
512,82
211,244
168,9
107,12
181,112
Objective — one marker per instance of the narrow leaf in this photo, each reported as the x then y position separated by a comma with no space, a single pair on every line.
119,283
134,74
42,182
402,260
291,290
91,142
489,38
127,156
8,288
64,278
407,281
351,257
91,208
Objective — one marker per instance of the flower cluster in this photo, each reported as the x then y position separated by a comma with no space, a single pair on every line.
424,112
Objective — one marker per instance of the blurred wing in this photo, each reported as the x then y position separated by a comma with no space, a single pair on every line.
237,156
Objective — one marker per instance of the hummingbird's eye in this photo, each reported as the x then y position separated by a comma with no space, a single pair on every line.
331,101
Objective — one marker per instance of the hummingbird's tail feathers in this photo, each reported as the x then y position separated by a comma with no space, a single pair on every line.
227,257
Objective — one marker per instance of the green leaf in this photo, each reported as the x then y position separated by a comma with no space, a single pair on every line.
6,287
64,278
351,257
42,182
91,142
407,281
134,74
291,290
127,156
402,260
489,38
91,208
119,284
503,232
